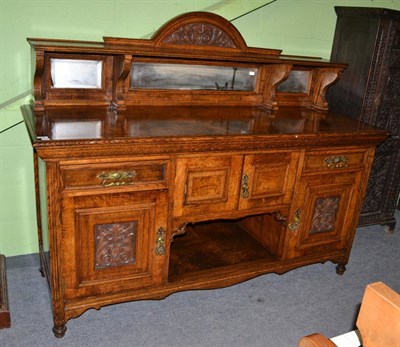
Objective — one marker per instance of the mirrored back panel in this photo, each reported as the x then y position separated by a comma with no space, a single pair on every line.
76,73
297,82
192,77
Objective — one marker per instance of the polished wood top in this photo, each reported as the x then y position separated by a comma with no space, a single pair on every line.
187,121
83,131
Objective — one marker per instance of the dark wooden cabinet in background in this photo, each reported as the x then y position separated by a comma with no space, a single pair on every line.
368,39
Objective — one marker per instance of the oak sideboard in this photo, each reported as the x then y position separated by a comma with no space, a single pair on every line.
187,161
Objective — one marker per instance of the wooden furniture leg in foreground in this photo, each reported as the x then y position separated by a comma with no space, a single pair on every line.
5,321
378,320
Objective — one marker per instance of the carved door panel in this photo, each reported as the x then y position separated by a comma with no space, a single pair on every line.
113,242
268,179
322,217
206,184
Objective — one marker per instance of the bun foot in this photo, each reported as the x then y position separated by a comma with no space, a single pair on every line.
59,331
340,269
389,227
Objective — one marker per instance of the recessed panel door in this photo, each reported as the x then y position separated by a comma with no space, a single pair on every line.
113,242
268,179
322,218
206,184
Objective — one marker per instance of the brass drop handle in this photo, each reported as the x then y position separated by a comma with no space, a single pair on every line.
117,178
294,225
336,162
245,193
160,241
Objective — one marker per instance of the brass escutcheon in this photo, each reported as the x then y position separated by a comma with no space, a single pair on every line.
294,226
160,241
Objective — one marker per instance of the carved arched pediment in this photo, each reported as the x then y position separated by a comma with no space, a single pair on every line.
200,34
200,29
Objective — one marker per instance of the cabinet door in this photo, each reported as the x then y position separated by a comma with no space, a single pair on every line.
113,242
268,179
206,184
324,214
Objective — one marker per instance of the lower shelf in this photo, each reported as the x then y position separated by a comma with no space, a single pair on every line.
207,246
213,255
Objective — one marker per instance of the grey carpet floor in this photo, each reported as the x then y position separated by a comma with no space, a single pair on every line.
268,311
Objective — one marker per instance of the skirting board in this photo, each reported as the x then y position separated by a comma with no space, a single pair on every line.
5,321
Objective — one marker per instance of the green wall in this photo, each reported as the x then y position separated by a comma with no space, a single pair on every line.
302,27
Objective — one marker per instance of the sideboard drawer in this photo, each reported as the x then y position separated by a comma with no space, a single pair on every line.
114,174
334,160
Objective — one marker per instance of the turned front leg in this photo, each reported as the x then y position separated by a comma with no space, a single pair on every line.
59,331
340,268
59,320
389,227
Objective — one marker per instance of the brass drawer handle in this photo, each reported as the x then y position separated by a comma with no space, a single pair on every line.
117,178
160,242
245,187
336,162
294,226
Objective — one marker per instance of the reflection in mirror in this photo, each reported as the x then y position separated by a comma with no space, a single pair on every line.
76,129
297,82
75,73
288,126
192,77
188,127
